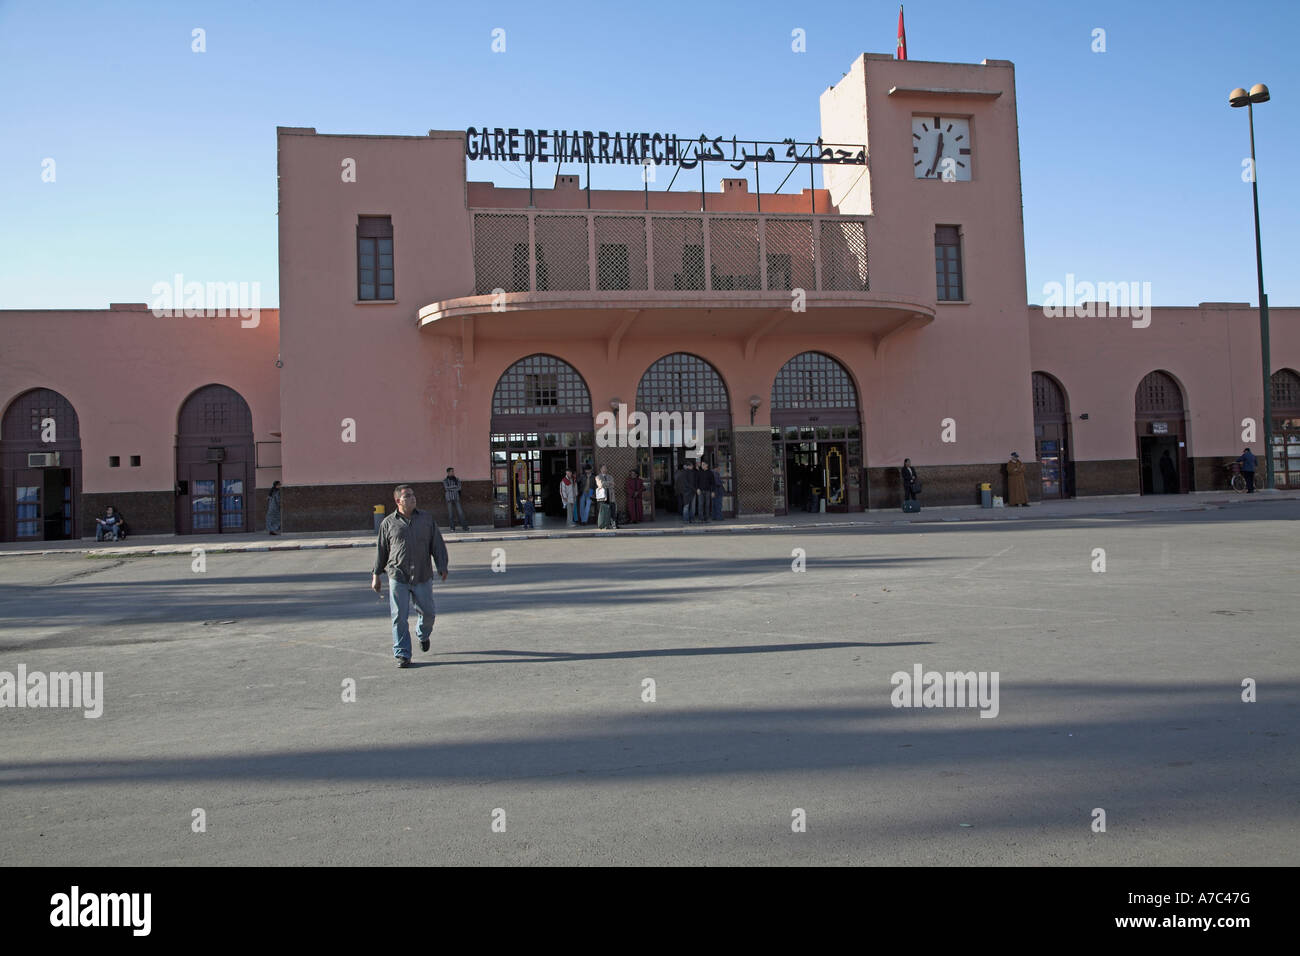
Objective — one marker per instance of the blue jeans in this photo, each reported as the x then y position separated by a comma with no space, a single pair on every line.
573,512
717,503
400,595
585,505
454,509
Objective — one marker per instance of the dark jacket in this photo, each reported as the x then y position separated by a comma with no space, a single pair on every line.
909,477
704,480
683,483
405,546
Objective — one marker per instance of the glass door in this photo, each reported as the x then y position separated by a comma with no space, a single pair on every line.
28,506
232,504
203,500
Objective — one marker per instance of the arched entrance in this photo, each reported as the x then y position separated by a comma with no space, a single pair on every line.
541,425
685,384
816,437
1161,435
1286,429
40,456
1052,437
214,463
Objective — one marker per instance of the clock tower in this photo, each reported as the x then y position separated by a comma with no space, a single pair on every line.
941,191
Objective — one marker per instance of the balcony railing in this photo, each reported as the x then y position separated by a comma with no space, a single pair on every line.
584,251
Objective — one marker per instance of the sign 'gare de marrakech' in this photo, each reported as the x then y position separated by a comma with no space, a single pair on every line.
661,149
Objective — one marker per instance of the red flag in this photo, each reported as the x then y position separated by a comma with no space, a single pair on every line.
901,52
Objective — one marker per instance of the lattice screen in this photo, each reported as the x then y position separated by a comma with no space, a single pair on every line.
733,247
844,256
679,252
790,254
500,252
621,252
562,254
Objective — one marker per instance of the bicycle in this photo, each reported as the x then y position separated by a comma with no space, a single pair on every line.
1237,481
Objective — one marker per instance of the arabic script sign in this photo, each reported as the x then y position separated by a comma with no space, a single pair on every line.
661,149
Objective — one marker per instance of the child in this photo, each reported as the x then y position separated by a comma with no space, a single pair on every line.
530,510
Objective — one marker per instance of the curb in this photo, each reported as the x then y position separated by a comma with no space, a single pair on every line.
186,550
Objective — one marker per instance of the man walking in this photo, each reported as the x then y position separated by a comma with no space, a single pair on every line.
451,486
408,538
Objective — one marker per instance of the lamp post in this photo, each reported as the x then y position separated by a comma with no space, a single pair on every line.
1239,97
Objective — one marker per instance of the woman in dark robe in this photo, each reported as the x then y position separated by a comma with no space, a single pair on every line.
635,486
1017,494
273,509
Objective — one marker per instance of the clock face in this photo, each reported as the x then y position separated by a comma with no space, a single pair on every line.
941,148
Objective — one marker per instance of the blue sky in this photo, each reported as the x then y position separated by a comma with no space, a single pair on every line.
164,159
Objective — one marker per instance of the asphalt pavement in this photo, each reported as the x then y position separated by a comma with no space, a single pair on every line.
702,698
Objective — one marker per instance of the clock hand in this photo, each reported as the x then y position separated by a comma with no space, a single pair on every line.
938,154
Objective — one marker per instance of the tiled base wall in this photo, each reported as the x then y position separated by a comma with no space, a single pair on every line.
146,512
1211,475
945,484
351,507
1115,476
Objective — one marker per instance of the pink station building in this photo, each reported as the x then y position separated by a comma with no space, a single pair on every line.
427,321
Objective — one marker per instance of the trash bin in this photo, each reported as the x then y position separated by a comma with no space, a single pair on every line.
986,495
379,517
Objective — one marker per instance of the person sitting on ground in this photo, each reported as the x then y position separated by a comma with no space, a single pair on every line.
109,526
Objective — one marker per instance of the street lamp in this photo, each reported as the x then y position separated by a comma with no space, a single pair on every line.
1239,97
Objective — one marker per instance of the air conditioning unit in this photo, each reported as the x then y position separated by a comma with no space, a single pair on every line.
216,454
43,460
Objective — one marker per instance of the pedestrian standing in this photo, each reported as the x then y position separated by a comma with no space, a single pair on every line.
684,486
635,487
587,494
717,493
704,490
908,474
1248,465
1169,473
1017,494
569,497
610,494
273,509
409,545
604,496
451,487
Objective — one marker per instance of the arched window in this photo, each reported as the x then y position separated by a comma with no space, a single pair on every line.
1159,395
541,385
682,382
1049,399
216,410
26,413
813,380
